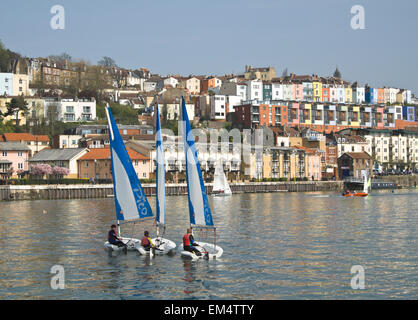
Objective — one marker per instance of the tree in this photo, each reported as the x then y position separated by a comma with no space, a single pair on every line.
107,62
15,106
62,58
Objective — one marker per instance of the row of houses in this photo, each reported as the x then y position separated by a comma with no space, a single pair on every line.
322,117
284,152
51,108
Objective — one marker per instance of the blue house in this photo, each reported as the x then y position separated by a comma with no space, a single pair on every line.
267,92
408,113
6,83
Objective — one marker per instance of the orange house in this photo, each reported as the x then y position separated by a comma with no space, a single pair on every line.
97,164
380,95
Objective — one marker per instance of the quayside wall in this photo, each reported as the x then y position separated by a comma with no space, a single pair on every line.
53,192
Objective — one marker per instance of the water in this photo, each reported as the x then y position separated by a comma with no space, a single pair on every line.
276,246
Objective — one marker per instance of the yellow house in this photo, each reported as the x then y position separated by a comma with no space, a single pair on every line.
355,118
348,94
35,110
20,84
317,90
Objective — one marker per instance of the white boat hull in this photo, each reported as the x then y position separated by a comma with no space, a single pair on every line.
163,246
212,251
132,245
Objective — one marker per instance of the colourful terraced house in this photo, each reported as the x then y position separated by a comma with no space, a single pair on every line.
317,91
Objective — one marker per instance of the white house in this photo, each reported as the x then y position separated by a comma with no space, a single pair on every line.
171,81
6,83
218,107
193,85
70,110
254,90
276,91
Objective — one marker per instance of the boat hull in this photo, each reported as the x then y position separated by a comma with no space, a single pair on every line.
132,245
213,252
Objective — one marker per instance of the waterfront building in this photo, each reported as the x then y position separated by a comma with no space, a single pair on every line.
381,96
351,143
66,158
13,159
35,143
354,164
96,164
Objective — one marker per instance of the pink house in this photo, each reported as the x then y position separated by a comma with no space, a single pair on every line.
293,113
297,92
14,158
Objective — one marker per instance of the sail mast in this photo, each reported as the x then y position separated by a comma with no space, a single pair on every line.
160,181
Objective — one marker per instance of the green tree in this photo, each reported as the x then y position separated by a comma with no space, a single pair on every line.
16,106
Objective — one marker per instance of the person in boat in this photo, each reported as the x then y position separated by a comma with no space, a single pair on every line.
146,242
112,237
189,243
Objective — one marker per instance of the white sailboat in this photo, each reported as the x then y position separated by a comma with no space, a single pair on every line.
220,183
199,210
131,204
163,245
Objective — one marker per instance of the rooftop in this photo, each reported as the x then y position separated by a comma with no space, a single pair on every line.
57,154
13,146
25,137
104,153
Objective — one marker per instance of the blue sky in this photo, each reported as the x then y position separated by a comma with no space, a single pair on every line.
222,36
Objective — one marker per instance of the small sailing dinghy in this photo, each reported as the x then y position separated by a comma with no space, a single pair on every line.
164,246
199,210
130,201
366,183
220,183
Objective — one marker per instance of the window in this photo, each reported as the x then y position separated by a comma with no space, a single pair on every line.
144,161
4,153
20,166
86,163
19,153
144,175
136,162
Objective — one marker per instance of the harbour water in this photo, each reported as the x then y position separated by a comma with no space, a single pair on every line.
276,246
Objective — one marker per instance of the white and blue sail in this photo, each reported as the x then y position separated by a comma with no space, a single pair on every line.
199,210
160,183
130,200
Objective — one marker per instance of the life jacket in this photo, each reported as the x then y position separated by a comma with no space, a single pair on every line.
145,242
111,236
186,240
